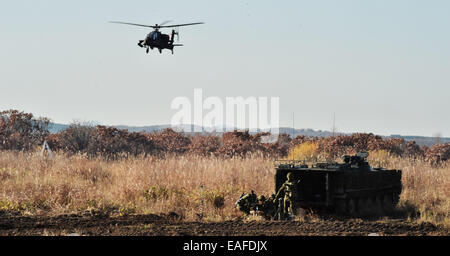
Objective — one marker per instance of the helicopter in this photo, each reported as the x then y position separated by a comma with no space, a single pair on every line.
156,39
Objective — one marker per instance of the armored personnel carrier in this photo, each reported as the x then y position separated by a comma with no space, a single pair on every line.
350,187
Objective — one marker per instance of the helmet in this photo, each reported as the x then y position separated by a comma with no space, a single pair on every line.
346,159
261,198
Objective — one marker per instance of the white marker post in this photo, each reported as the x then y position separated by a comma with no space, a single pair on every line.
46,151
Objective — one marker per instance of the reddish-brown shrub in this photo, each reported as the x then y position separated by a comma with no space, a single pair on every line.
205,145
169,141
21,131
438,153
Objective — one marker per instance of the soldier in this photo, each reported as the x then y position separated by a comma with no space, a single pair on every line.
247,202
252,200
289,191
267,206
261,200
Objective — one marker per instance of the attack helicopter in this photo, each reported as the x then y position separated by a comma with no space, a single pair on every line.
156,39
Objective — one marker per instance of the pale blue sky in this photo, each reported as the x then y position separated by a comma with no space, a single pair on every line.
381,66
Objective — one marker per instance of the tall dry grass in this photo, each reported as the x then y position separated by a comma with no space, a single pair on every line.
187,185
426,186
307,151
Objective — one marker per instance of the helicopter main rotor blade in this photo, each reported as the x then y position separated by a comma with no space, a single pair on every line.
165,22
133,24
157,26
181,25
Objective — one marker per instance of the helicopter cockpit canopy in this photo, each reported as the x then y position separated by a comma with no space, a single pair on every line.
153,35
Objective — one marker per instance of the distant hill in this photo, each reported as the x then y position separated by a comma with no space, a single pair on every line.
420,140
55,128
307,132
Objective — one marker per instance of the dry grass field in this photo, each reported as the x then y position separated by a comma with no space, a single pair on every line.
186,185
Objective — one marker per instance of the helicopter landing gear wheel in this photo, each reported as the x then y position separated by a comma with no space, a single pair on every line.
160,50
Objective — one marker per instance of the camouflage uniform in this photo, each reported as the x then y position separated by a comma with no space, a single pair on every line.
261,201
289,191
267,207
247,202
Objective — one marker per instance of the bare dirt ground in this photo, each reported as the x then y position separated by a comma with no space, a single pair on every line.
154,225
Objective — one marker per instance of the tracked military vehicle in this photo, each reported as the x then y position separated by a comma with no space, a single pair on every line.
348,188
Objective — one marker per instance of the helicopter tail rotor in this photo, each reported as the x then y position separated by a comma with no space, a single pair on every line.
177,32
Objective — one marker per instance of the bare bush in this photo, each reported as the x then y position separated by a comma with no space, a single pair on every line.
205,145
21,131
169,141
74,139
438,153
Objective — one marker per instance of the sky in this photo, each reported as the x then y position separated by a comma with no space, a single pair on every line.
378,66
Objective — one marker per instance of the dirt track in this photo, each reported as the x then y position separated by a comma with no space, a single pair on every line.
153,225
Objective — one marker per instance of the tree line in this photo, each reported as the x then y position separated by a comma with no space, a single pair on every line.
21,131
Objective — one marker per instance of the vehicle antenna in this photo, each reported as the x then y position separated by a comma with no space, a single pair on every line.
293,131
334,124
